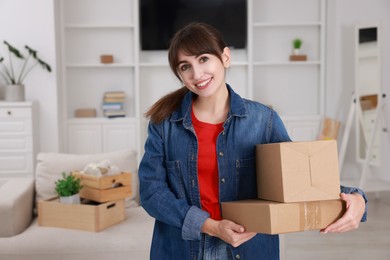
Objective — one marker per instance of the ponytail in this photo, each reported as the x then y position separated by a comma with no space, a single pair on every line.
164,107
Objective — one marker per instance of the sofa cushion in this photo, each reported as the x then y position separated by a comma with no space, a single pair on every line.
51,165
16,206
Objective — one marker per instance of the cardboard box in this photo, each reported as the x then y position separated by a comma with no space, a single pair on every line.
105,188
106,58
270,217
85,112
298,171
89,217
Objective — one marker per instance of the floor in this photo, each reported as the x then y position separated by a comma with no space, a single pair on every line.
371,241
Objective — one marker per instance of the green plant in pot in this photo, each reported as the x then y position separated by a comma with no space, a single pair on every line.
297,44
68,188
14,79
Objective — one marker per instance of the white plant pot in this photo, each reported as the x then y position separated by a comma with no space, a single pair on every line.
74,199
296,51
14,92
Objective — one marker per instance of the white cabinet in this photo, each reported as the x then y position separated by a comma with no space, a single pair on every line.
97,136
262,71
18,137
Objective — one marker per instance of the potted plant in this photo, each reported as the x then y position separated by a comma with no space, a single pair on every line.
297,44
14,80
68,188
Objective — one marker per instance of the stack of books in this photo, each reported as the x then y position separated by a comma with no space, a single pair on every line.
113,104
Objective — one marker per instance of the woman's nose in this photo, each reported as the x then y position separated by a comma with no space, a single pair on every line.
197,72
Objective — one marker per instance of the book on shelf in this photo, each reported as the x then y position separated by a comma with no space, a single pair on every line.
113,100
115,94
114,97
112,114
112,106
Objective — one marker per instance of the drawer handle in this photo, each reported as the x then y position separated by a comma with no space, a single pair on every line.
9,112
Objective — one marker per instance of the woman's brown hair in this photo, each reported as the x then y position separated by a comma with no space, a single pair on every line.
194,39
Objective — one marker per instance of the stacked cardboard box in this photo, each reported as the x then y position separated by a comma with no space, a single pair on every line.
103,204
298,189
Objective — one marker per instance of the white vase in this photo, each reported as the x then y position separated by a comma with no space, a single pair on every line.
74,199
296,51
14,92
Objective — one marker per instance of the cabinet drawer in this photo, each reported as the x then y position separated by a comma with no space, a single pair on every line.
18,162
16,143
15,113
15,127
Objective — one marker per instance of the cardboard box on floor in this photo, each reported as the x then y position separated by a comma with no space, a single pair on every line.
298,171
269,217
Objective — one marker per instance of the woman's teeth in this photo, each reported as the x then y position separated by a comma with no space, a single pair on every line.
204,83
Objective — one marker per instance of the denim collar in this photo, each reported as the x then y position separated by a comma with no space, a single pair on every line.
237,107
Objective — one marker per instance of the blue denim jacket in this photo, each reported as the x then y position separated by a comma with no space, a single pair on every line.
168,177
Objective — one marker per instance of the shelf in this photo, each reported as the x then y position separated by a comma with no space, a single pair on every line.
97,65
287,63
156,64
303,24
165,64
83,120
96,26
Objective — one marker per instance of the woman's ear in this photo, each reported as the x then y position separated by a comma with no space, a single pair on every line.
226,57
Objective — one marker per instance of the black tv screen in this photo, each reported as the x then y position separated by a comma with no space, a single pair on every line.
160,19
368,35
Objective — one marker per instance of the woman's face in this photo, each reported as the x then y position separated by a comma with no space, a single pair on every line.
204,75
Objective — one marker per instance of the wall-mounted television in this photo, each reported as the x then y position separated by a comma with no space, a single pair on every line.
368,35
160,19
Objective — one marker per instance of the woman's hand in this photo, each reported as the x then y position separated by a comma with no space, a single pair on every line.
351,219
228,231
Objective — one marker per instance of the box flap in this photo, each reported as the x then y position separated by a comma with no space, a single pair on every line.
314,176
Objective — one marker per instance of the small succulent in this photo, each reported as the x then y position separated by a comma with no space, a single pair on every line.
68,185
297,43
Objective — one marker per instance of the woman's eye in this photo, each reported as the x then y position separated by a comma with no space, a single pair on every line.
184,67
204,59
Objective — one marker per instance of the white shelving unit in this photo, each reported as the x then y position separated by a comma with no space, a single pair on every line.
261,72
88,29
295,89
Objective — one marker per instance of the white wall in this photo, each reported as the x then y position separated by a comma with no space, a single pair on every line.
343,15
26,22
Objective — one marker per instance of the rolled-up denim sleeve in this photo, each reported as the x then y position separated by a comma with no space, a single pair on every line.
193,223
350,190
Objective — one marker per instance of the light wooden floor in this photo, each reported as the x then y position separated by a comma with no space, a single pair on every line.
370,242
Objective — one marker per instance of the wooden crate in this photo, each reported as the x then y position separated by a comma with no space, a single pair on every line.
98,195
89,217
104,182
105,188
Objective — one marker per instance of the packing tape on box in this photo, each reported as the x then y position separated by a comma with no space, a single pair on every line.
310,215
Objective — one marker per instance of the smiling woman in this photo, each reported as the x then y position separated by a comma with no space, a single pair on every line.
200,153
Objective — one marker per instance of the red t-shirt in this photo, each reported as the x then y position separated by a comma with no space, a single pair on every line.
207,166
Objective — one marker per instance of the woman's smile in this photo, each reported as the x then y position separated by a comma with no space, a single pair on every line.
203,84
